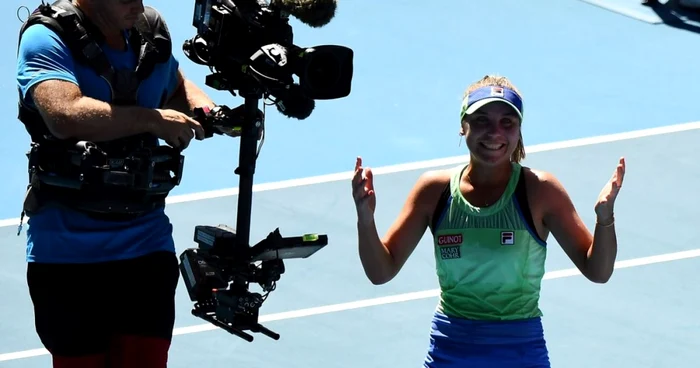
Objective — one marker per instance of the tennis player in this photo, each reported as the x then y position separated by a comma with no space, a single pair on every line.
490,220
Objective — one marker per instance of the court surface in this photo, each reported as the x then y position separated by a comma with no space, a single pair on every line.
597,86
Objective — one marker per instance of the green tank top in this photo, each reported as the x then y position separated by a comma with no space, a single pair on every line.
489,263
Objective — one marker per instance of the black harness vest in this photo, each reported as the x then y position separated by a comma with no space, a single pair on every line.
119,179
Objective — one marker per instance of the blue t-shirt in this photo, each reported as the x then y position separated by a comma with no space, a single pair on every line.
59,235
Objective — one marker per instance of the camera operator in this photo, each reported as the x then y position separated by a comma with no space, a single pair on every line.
102,284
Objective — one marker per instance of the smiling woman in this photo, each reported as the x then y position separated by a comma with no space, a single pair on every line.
508,112
490,220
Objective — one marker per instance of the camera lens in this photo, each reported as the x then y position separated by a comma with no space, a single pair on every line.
323,71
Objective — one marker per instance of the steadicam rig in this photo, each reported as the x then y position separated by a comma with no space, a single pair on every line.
248,45
219,272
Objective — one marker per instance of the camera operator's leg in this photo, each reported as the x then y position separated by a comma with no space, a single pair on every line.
69,313
146,291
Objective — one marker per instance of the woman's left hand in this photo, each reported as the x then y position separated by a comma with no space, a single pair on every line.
606,200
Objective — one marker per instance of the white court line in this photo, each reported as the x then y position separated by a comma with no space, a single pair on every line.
399,298
417,165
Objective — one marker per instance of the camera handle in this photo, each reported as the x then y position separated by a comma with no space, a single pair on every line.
250,131
247,121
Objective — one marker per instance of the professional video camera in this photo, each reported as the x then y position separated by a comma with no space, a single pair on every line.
248,45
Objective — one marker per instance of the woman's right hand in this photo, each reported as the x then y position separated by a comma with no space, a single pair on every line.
363,192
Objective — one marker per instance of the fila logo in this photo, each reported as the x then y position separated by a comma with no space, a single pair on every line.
449,239
507,238
497,91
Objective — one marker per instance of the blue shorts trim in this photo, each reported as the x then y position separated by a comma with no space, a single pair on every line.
456,342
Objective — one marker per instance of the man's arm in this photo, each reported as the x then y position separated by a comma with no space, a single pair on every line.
187,96
69,114
47,80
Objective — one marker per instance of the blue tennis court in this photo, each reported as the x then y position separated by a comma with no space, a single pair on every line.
597,85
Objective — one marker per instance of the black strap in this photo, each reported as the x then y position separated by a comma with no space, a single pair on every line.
524,204
152,36
445,198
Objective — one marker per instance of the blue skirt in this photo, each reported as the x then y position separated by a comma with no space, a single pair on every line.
456,342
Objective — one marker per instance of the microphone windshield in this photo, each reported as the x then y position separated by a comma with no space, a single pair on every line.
295,104
314,13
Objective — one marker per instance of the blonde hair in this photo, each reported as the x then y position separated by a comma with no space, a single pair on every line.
499,81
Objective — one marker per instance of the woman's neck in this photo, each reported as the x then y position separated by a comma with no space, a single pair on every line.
480,175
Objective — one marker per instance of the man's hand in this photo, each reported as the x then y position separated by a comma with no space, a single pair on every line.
176,128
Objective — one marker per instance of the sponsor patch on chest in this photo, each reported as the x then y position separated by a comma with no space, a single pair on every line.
450,252
449,239
449,245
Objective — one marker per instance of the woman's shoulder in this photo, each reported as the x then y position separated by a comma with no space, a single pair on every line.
430,186
542,184
437,178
